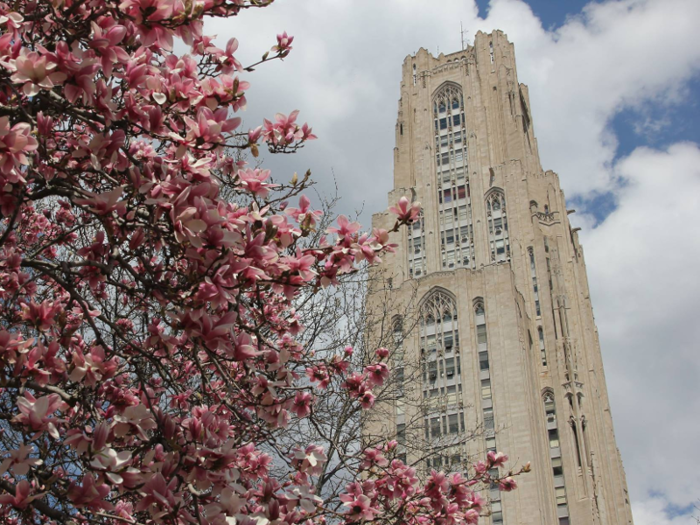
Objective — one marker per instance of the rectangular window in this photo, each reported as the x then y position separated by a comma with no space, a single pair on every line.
557,468
435,427
486,389
399,381
443,123
462,192
488,419
483,361
432,370
561,496
401,433
449,366
553,438
449,342
453,424
481,334
491,443
458,137
448,195
456,120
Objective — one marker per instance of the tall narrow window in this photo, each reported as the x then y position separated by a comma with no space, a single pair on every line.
535,288
484,371
555,454
454,198
543,352
498,226
416,248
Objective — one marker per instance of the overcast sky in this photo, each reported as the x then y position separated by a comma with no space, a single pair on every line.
614,89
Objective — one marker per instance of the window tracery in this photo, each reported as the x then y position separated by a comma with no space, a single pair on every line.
441,370
454,195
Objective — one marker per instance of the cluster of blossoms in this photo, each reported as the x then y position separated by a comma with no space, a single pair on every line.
147,335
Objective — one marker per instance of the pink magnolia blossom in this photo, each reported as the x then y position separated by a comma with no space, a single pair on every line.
359,508
507,484
382,353
367,399
303,401
377,374
37,413
22,498
284,44
306,217
36,72
15,143
406,210
496,459
19,462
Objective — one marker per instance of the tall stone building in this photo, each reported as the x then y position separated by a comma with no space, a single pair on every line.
503,340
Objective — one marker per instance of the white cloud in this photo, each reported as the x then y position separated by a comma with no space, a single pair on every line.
344,74
652,512
642,265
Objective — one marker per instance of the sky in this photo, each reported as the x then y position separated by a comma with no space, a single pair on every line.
614,88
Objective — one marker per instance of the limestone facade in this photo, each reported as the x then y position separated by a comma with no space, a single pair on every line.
504,340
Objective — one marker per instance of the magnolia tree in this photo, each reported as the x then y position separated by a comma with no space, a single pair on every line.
150,351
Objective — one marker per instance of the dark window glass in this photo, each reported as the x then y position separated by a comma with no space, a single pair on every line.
453,424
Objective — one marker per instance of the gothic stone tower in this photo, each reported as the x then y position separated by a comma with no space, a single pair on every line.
504,340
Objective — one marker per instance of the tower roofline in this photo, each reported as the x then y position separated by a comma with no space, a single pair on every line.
442,56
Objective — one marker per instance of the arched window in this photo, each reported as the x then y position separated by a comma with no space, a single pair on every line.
498,226
454,194
441,367
438,325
